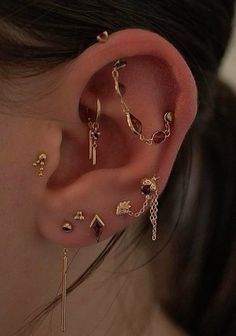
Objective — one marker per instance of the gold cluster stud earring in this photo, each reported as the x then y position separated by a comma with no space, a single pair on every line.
41,161
150,190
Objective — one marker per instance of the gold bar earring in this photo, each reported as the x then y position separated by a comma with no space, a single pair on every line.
94,134
64,290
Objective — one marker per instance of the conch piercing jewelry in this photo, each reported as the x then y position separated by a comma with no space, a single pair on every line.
42,158
103,37
150,190
97,225
94,134
134,124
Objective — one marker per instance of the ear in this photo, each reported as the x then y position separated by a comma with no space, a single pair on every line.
157,80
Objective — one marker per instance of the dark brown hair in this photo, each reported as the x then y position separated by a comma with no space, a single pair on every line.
36,36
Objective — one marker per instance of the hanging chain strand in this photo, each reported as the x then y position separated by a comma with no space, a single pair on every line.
64,290
154,216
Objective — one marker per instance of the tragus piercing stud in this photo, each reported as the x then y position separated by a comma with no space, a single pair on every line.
134,124
42,158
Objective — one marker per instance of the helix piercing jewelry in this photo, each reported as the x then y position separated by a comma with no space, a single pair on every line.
42,158
103,37
150,190
67,227
64,290
134,124
79,216
94,134
97,225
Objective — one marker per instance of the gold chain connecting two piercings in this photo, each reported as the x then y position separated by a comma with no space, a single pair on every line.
134,124
150,190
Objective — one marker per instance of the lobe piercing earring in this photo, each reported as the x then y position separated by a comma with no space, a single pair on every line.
41,162
150,190
67,227
94,134
97,225
79,216
134,124
64,290
103,37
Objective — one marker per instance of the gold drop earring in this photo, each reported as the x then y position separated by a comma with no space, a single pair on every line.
94,134
150,190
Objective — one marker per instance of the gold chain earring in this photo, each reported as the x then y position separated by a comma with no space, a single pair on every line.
150,190
94,134
134,124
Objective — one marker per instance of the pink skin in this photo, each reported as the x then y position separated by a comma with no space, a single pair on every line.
42,116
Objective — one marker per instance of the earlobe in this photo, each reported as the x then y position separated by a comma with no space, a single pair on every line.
147,104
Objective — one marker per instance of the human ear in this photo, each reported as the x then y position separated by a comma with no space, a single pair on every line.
156,80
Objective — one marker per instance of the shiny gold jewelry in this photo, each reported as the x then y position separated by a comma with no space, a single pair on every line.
97,225
42,158
64,290
103,37
79,216
94,134
150,190
134,124
67,227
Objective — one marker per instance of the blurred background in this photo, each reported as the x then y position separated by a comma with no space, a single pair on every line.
228,69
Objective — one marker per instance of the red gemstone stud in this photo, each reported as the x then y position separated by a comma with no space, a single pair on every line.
97,225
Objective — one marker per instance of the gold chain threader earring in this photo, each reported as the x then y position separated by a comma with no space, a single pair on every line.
64,290
134,124
94,134
150,190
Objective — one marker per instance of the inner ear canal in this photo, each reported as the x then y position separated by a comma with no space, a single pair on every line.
112,150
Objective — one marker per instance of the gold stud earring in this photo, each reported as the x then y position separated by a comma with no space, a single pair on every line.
79,216
150,190
42,158
97,225
103,37
94,134
67,227
134,124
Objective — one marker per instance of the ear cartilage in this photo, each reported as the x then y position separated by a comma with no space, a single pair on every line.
150,190
103,37
135,124
42,158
